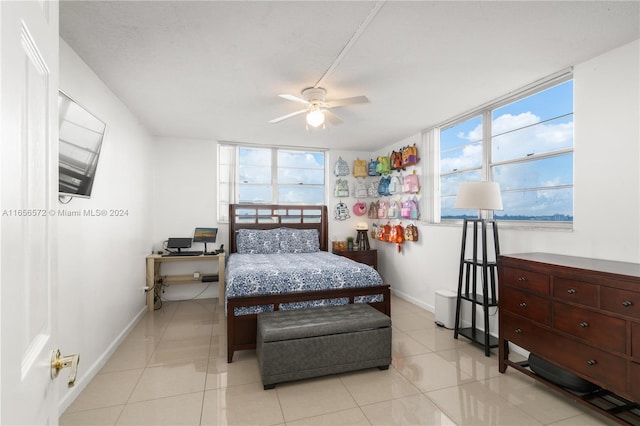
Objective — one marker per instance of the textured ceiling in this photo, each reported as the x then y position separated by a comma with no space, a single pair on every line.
213,69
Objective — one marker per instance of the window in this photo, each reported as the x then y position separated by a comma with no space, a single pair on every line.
266,175
525,143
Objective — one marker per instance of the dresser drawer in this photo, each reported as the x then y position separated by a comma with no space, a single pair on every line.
526,334
528,280
536,308
601,330
592,364
634,384
575,291
635,340
622,302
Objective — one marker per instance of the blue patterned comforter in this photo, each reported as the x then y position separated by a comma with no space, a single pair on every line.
256,274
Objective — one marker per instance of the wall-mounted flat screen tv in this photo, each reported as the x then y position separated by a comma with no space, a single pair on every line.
80,141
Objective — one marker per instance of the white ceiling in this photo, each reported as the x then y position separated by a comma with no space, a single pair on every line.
213,69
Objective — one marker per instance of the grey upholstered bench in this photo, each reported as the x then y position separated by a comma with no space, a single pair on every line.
303,343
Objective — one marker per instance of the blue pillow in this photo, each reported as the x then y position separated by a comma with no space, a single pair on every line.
258,241
299,240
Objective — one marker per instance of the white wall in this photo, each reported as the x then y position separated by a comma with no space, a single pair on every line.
185,197
606,192
101,259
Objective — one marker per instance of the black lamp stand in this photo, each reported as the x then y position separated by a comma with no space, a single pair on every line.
469,282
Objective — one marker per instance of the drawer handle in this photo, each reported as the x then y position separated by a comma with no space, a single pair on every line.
571,291
627,303
591,362
523,305
518,331
584,324
522,279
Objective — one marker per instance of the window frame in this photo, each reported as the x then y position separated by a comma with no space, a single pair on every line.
229,188
432,140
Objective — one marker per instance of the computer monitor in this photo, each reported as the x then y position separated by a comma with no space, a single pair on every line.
178,243
205,235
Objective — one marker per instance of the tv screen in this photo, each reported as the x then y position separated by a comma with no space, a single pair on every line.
80,141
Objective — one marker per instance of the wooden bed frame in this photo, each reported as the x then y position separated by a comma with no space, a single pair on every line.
241,330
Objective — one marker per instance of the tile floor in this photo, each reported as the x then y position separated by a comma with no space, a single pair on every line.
172,370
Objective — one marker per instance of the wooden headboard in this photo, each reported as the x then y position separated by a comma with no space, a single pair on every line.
270,216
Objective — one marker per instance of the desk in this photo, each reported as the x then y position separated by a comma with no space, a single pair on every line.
155,261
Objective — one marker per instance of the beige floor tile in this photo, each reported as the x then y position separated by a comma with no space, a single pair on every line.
471,359
241,405
400,306
106,390
217,373
218,347
131,354
529,396
587,419
243,370
437,339
475,404
411,321
352,416
148,328
403,345
410,410
313,397
171,379
97,417
188,329
197,308
219,329
372,385
173,411
169,351
429,372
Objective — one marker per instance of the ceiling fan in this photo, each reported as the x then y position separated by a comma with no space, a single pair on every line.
317,107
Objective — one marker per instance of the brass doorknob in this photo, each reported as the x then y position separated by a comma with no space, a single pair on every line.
58,362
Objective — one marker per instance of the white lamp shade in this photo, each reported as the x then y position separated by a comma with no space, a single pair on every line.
315,118
362,226
479,195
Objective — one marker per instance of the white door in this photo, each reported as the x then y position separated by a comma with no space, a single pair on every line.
28,198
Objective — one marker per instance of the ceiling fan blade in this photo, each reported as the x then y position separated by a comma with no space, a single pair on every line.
331,117
294,98
284,117
347,101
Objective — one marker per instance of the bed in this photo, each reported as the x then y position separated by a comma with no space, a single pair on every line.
279,259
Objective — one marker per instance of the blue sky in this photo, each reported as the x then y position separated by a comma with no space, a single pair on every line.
530,127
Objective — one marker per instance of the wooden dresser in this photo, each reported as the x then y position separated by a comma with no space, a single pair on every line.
578,313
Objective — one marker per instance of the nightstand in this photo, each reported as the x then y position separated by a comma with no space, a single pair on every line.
368,257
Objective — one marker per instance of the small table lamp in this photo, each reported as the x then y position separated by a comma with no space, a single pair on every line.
362,240
480,196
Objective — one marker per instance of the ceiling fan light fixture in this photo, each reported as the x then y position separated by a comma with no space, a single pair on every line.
315,118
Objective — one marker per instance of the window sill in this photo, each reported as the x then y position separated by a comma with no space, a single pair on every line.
514,225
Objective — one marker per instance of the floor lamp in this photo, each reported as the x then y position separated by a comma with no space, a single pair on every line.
482,196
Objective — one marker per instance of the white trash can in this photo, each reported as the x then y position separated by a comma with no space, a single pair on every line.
445,306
